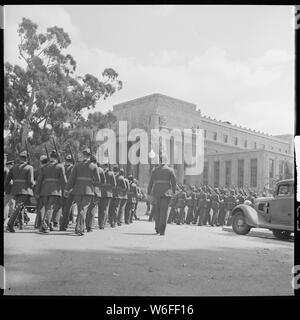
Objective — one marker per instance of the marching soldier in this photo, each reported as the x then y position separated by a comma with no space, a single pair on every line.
117,196
181,206
222,209
215,205
67,203
201,205
162,186
206,218
106,195
51,182
23,181
39,207
93,208
132,195
173,207
190,205
123,198
83,178
139,195
9,202
231,203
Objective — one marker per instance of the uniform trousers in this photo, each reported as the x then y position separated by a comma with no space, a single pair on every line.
113,211
9,204
91,212
190,215
201,215
18,213
50,204
129,211
215,216
121,211
66,211
82,203
103,210
161,216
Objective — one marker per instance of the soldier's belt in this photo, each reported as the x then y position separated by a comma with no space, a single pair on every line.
84,179
162,181
20,180
52,179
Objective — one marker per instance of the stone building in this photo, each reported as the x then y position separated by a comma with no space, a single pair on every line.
233,155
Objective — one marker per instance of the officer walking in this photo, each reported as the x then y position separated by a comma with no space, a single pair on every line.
23,181
162,186
83,178
132,195
106,196
51,182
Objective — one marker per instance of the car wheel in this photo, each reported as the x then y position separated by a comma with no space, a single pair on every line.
282,234
239,224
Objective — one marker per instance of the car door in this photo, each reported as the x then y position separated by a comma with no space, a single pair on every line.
282,207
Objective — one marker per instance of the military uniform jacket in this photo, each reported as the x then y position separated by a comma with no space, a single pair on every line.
52,180
222,203
98,192
240,199
132,192
181,199
162,182
110,183
83,178
231,202
215,201
119,191
23,180
189,200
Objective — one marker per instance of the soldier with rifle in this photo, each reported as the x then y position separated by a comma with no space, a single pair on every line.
23,181
181,198
131,200
190,206
173,207
231,203
51,182
106,195
215,205
83,179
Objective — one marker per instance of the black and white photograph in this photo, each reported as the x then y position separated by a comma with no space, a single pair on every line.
149,152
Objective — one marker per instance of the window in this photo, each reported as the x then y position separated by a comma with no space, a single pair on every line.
253,172
215,136
246,144
228,173
236,141
216,173
240,173
285,190
225,138
271,168
205,173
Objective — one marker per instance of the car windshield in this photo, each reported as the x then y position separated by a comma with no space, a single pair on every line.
285,190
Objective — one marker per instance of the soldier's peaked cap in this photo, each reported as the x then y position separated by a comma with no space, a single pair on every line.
23,154
53,154
116,168
68,157
43,157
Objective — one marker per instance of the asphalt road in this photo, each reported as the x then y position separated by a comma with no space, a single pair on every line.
133,261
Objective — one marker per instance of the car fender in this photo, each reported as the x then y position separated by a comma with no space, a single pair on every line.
250,214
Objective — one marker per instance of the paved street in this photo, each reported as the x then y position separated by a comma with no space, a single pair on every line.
132,260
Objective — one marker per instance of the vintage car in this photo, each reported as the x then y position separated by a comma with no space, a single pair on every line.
274,213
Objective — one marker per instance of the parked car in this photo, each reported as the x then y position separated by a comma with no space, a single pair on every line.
274,213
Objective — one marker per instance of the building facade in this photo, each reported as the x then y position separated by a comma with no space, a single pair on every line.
233,155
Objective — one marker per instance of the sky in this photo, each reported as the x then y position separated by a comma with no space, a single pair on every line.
236,63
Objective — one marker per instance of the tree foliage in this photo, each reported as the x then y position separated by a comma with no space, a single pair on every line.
45,97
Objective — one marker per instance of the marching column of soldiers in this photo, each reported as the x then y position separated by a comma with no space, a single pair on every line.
88,189
62,189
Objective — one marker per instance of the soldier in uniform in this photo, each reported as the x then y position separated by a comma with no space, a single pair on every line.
222,209
123,198
97,198
206,218
162,186
190,206
132,195
231,203
106,195
181,198
39,207
9,202
83,178
67,202
215,205
201,205
173,207
117,196
51,182
23,181
139,196
240,198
